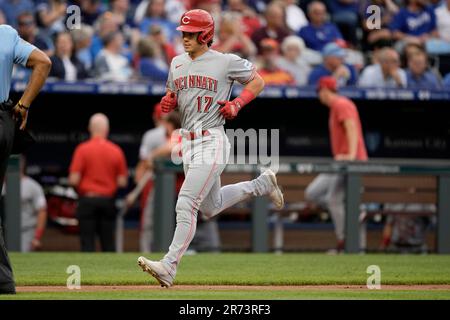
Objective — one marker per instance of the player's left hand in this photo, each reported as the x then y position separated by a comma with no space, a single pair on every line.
20,113
229,109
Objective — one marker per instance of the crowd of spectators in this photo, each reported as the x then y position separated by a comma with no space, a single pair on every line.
367,43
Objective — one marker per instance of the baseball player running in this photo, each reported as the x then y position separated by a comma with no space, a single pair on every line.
199,85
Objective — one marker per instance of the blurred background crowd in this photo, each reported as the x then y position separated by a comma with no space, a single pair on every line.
362,43
398,43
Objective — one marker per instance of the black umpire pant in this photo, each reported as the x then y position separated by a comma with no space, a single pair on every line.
97,215
7,129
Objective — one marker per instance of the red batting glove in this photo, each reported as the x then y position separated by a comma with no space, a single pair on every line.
168,102
229,109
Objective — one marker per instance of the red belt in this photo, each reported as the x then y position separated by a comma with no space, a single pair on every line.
195,135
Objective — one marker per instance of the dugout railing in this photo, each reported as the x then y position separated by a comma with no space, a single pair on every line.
364,182
404,182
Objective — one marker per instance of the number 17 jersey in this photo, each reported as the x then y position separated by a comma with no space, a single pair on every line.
201,82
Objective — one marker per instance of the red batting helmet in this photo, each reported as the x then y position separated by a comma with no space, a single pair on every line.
198,20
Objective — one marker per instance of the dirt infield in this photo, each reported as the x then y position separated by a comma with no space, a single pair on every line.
229,287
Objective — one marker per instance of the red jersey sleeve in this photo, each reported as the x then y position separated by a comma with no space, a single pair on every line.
77,164
344,110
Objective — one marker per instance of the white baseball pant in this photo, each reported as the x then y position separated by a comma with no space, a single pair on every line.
204,159
327,190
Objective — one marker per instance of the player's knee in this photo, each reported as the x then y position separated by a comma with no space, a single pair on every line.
207,212
186,206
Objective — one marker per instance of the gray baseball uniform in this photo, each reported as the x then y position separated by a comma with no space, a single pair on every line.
32,200
199,84
151,140
327,190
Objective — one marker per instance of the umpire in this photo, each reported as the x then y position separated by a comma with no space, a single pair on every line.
13,118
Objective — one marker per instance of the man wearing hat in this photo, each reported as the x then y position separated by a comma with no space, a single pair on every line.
333,65
347,144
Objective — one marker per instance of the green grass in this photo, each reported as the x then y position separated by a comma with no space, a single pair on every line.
239,269
164,294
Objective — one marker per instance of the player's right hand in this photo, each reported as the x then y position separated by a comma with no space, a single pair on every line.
169,102
229,109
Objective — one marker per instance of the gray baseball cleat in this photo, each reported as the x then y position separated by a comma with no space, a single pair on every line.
276,196
157,270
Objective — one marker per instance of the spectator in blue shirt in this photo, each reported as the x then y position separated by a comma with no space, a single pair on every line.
333,65
345,13
150,66
318,32
416,22
13,8
418,74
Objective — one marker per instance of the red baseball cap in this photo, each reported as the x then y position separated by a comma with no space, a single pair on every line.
327,82
157,111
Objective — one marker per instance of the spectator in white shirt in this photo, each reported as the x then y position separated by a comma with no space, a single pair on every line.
387,73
